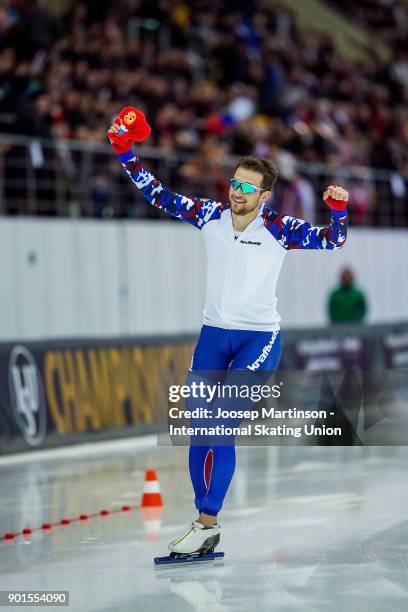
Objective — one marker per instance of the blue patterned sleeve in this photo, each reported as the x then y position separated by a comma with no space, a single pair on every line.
196,211
294,233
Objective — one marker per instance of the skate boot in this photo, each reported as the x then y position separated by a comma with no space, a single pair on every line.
197,540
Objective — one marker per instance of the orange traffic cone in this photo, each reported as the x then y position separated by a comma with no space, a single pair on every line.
151,491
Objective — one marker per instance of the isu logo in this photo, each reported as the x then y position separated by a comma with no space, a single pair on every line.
27,395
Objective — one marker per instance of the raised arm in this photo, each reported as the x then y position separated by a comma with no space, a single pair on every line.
195,211
294,233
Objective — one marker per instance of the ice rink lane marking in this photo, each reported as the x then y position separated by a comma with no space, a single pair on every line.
64,522
77,450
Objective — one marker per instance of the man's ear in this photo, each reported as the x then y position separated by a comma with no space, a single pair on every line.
266,195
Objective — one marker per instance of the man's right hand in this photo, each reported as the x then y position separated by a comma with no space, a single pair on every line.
129,127
121,143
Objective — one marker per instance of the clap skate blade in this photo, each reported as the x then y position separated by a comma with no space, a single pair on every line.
206,553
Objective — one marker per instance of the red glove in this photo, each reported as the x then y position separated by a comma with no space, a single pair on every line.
336,198
129,127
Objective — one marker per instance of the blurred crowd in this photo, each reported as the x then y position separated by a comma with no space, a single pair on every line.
214,78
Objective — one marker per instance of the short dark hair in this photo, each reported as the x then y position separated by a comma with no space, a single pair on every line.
262,165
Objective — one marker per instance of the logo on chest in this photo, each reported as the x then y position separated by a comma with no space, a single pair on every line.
250,242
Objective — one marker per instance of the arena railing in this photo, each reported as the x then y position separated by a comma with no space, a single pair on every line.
79,179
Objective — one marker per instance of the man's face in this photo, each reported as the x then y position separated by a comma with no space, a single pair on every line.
244,203
347,277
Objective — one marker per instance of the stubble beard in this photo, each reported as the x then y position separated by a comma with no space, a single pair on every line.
244,210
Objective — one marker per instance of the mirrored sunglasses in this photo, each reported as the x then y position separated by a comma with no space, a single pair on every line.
245,187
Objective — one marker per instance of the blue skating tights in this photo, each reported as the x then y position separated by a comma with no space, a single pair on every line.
212,466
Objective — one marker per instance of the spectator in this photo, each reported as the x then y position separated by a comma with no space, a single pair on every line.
347,303
244,76
220,67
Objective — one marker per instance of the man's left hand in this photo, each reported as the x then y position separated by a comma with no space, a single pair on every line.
336,198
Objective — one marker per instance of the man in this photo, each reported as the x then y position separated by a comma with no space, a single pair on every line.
347,303
246,243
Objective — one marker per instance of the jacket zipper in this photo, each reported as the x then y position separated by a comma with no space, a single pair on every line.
227,282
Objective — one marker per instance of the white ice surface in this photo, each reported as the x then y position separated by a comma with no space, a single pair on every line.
311,529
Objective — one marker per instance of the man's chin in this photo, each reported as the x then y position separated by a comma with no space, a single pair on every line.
239,210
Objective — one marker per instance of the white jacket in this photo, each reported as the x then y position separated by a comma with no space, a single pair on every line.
242,269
